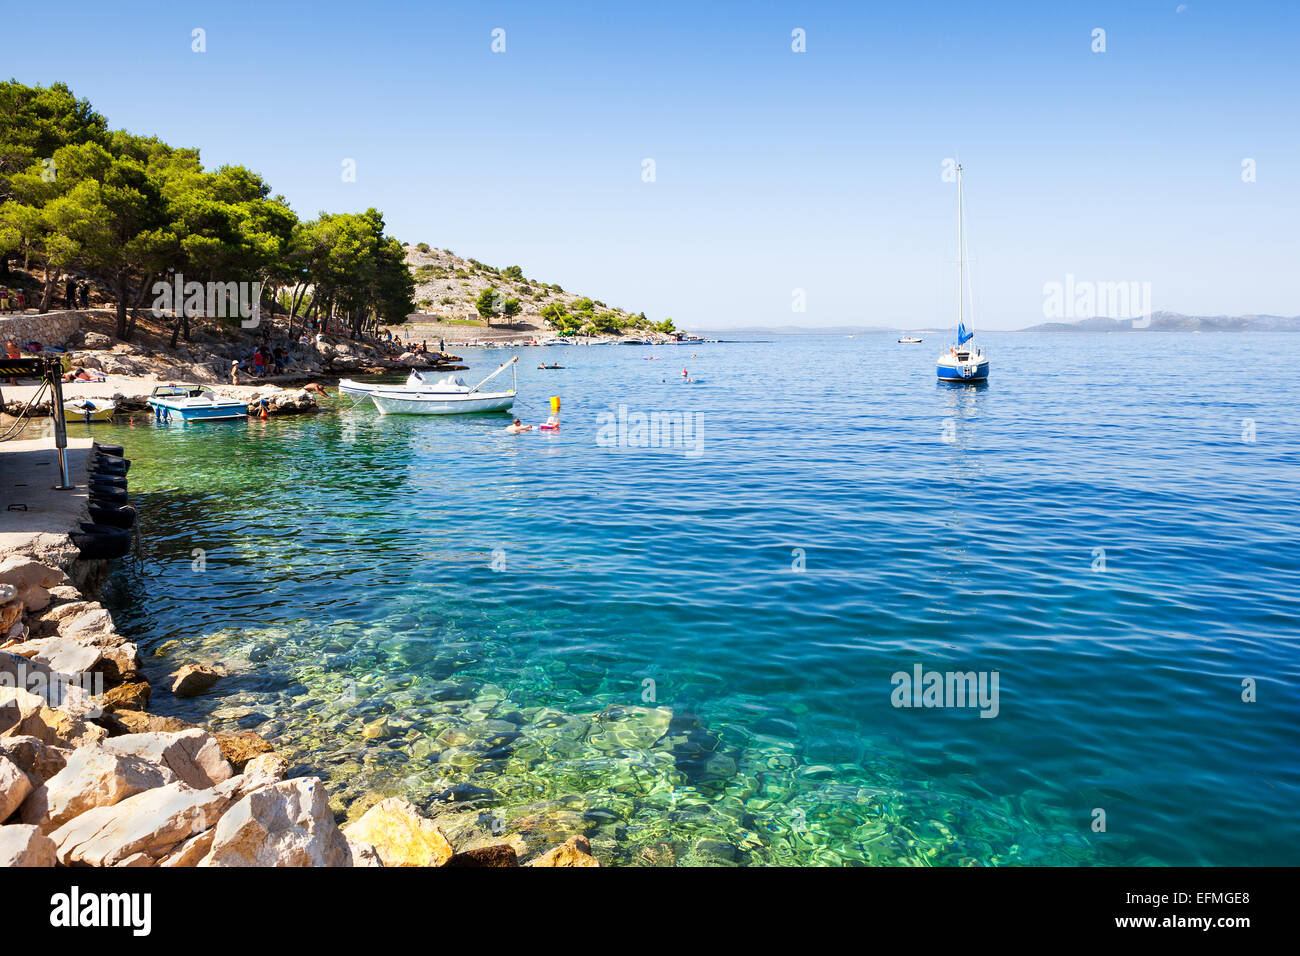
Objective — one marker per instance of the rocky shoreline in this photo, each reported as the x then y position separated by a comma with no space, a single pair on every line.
132,369
89,777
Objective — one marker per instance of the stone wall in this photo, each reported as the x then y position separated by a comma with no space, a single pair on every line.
52,328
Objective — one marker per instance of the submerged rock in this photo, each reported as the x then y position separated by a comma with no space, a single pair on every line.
576,851
500,854
194,679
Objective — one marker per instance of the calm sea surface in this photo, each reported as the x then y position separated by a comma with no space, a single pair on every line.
686,653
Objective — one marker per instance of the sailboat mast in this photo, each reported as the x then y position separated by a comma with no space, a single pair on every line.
961,265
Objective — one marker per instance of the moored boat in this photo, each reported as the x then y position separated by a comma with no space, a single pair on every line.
191,403
89,409
909,340
962,363
446,396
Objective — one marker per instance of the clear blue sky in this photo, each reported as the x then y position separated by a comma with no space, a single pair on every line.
775,170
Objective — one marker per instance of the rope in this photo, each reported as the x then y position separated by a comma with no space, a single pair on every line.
23,417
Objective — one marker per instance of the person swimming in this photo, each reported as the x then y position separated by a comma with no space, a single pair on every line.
517,427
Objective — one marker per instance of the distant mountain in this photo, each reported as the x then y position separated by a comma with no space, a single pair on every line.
801,330
1176,322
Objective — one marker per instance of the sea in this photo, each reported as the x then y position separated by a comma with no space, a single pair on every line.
780,600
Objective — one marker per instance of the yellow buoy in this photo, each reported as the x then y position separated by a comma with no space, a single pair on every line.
555,404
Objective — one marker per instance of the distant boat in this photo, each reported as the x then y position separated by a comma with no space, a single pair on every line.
89,410
193,403
909,340
552,367
962,363
447,396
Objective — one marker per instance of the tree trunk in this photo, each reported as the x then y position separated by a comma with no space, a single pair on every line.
47,294
121,304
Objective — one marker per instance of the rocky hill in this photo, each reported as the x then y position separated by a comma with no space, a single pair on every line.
448,286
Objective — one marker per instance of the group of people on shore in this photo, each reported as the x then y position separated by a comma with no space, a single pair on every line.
75,295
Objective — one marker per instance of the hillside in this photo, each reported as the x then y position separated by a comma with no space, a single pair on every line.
448,288
1176,322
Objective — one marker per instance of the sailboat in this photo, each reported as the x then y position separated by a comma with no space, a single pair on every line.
962,363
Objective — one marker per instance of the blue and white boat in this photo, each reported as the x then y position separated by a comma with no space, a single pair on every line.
962,363
194,403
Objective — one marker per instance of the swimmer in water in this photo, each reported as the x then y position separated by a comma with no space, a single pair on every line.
517,427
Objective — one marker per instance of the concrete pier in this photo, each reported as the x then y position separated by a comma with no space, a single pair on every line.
29,470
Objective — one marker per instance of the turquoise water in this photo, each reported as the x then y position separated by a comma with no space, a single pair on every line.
689,656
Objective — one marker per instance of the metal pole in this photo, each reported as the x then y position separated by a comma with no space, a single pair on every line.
54,375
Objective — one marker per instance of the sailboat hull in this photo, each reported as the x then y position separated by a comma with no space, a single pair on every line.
953,370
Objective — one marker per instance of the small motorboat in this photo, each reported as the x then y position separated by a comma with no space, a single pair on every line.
89,410
194,403
446,396
909,340
551,367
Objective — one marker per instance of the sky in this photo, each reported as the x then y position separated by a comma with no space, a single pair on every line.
781,179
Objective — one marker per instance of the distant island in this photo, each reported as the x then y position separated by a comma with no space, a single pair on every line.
1176,322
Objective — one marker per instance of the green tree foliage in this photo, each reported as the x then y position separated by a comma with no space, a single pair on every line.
487,303
130,209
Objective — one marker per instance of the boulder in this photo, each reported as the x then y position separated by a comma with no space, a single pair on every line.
194,679
284,824
97,340
192,851
39,760
192,755
499,854
363,854
15,785
61,654
575,851
91,778
20,713
400,835
155,823
22,845
23,574
138,722
68,730
11,613
133,695
241,747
